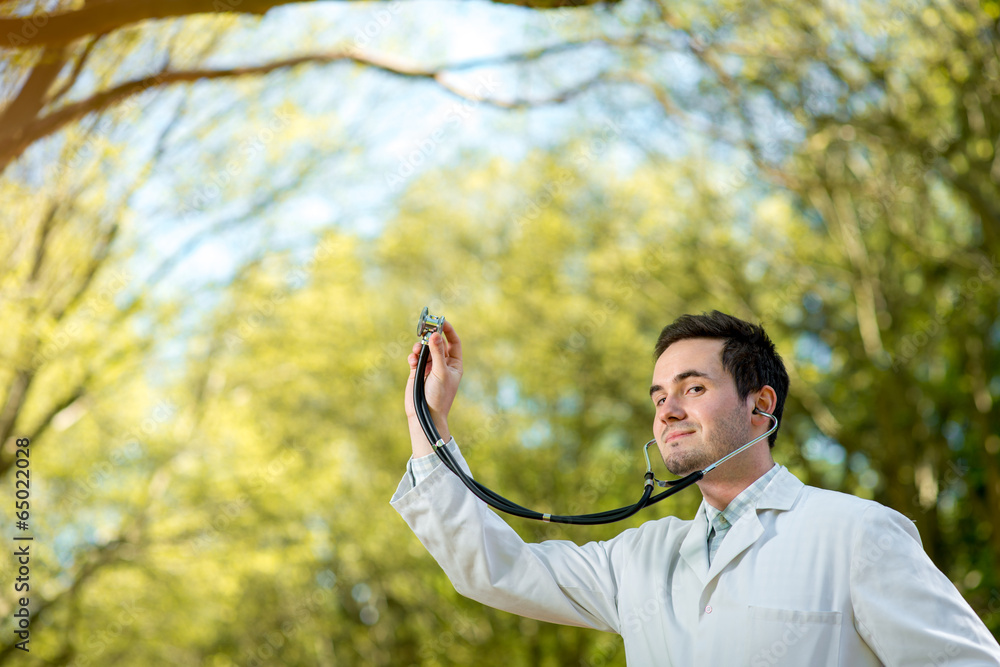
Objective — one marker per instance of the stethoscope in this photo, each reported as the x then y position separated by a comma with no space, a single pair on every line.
427,325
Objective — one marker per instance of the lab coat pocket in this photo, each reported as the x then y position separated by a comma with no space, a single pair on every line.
793,638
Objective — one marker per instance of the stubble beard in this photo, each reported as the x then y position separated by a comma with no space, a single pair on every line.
731,433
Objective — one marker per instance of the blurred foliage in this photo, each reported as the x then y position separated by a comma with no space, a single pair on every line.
230,507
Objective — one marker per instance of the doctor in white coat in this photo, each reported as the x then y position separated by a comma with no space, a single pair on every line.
769,572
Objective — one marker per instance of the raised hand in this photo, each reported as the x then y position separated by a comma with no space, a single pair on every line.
443,374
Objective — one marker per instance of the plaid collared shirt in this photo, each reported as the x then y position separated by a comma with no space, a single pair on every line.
420,468
720,521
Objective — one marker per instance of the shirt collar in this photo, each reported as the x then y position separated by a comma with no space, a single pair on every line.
745,502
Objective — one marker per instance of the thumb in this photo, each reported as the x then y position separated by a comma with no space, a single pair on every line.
436,343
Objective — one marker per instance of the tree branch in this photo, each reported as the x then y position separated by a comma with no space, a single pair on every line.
31,98
77,68
13,147
92,19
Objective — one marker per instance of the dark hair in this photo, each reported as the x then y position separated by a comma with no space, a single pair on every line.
748,355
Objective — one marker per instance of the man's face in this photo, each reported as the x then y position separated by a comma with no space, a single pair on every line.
699,417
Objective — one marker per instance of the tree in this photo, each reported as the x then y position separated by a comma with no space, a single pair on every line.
79,325
844,171
896,163
263,532
52,49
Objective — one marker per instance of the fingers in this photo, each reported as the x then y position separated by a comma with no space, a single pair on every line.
438,352
454,344
414,356
445,348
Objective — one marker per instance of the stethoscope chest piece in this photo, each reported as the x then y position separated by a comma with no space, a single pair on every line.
428,324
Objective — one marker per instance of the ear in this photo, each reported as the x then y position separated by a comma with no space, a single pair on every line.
764,400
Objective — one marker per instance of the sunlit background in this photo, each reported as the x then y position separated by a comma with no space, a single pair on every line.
217,231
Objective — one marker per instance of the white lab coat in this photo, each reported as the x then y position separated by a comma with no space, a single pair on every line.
814,578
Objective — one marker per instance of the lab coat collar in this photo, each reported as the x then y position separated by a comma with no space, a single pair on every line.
779,494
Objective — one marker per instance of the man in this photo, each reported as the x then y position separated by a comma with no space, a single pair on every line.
769,571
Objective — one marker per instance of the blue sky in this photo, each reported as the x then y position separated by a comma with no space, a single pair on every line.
388,123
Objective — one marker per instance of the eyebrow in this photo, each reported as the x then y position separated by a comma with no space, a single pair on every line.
678,378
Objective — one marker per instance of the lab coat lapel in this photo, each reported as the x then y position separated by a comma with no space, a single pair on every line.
744,532
694,548
780,494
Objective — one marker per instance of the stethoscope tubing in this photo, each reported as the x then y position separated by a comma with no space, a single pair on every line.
498,502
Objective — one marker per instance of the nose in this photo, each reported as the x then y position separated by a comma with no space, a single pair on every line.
669,411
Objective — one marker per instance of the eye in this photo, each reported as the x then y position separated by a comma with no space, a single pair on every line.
696,388
659,401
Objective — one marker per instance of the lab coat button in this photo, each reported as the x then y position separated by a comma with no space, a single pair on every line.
708,609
